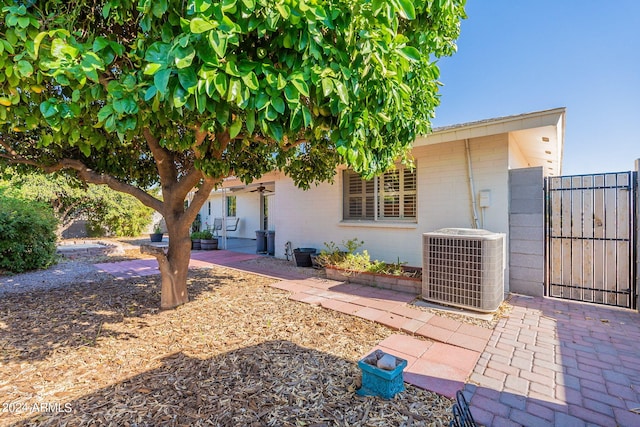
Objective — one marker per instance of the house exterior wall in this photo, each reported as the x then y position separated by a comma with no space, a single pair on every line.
247,209
310,218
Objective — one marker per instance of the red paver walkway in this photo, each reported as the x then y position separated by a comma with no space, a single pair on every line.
442,367
199,259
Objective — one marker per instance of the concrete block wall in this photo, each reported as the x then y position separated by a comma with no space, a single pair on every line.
526,231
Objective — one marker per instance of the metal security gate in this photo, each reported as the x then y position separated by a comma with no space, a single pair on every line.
590,223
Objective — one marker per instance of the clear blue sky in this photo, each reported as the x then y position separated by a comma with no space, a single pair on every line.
518,56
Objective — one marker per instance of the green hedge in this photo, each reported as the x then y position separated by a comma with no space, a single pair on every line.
27,235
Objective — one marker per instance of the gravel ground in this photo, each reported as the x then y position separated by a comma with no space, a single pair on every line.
59,275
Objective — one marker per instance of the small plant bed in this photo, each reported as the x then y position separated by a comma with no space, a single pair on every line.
354,267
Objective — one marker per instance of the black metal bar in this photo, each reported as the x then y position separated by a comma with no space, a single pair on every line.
592,302
461,414
600,290
593,246
590,238
617,229
547,231
633,196
606,187
591,174
571,213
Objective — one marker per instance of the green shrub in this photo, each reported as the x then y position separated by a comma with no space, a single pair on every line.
116,213
27,235
108,212
349,259
206,234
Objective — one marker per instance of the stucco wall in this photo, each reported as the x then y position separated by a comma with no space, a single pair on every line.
247,209
309,218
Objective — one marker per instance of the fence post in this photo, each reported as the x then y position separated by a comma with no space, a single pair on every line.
637,233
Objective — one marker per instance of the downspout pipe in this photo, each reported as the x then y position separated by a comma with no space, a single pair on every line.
472,190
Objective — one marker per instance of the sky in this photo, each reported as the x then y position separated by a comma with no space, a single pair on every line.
519,56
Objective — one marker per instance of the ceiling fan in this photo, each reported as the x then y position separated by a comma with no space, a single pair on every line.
261,189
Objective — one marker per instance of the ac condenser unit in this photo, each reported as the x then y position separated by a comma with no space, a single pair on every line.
464,268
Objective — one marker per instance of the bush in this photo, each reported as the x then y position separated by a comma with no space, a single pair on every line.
108,212
27,235
206,234
116,214
349,259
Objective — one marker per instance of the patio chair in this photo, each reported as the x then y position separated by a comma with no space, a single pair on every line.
461,414
217,226
232,223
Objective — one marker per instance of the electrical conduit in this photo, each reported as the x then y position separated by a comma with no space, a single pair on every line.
472,190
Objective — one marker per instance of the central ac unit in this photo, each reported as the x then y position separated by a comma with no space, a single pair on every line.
464,268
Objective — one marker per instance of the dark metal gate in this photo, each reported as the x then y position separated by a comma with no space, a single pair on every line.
590,228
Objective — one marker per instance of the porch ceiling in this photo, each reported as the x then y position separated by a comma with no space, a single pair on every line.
269,187
542,146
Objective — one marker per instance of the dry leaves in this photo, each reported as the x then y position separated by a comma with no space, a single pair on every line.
240,353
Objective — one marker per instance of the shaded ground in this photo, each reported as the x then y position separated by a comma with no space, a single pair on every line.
239,353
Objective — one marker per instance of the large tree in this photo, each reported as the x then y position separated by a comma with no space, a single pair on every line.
184,93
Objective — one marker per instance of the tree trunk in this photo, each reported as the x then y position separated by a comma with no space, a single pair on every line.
174,269
174,262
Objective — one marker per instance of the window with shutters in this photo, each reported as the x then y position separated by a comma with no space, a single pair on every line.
391,196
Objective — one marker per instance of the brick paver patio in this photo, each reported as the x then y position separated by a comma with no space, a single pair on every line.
559,363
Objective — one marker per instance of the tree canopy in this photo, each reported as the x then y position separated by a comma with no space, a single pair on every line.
129,93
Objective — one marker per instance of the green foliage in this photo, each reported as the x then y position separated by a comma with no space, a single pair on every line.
299,85
349,259
107,211
117,213
206,234
27,235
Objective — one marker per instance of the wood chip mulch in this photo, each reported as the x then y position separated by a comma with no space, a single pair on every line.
238,354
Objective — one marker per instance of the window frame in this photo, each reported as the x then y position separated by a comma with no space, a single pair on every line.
405,193
232,207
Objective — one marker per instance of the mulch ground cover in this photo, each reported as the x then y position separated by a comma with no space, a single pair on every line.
238,354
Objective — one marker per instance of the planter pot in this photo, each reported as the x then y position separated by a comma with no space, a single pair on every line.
195,244
209,244
314,261
156,237
411,285
303,256
381,382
